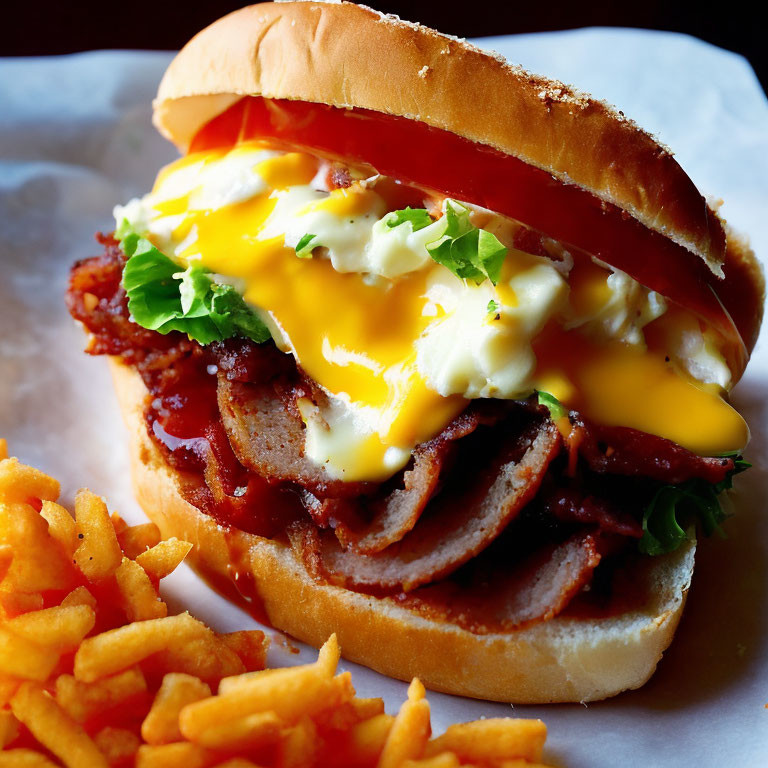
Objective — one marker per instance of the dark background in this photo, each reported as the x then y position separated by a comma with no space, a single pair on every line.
46,27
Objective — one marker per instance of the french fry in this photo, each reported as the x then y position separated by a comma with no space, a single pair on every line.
98,554
205,657
118,745
242,733
54,729
38,564
298,746
79,596
81,701
298,691
492,739
6,558
24,758
443,760
163,558
327,661
9,728
238,762
229,684
120,648
410,731
362,744
59,628
138,538
3,448
329,654
61,526
250,645
20,483
15,603
8,687
161,725
118,524
23,659
139,596
343,717
180,755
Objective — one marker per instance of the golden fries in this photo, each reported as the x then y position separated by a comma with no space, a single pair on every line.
163,558
98,554
81,701
139,596
161,725
410,731
94,671
137,538
125,646
483,739
54,729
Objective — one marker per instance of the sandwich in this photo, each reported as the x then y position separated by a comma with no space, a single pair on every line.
425,350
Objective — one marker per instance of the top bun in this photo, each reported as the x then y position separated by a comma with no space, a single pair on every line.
348,55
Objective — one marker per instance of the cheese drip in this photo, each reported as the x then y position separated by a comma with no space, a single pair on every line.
398,342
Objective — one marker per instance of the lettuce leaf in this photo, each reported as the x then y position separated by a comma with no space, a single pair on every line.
470,253
162,298
418,217
304,247
675,507
556,409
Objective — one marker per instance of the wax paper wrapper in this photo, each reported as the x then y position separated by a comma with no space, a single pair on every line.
75,138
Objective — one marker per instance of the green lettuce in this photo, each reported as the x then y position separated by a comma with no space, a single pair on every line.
470,253
304,247
163,298
556,409
675,507
419,218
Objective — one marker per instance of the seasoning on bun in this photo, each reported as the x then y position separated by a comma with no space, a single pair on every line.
422,349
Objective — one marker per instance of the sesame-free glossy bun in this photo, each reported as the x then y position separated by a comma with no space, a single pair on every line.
347,55
561,660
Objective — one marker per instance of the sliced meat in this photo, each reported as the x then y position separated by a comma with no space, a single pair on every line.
269,439
575,506
395,515
462,520
507,598
625,451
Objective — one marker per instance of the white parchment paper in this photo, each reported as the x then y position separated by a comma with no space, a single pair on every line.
75,138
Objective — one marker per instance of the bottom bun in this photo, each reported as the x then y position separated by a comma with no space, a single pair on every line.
561,660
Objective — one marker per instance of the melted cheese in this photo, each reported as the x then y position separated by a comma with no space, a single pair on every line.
399,343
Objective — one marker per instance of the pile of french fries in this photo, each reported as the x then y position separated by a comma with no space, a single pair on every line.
95,673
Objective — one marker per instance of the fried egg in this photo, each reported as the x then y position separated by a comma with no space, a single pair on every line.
401,344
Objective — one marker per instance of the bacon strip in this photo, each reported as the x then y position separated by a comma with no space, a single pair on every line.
459,525
625,451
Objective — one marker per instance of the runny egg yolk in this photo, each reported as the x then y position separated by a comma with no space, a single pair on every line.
356,337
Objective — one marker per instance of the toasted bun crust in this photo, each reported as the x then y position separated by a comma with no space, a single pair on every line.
347,55
558,661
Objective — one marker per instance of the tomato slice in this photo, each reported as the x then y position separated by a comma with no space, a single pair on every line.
418,154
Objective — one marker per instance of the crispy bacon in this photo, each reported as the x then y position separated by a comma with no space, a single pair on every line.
625,451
